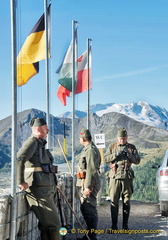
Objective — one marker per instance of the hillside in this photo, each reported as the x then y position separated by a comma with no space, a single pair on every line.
143,136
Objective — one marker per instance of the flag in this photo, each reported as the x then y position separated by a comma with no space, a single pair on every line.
66,69
32,51
83,75
62,93
82,78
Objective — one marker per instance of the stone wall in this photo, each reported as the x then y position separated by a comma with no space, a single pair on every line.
27,225
25,218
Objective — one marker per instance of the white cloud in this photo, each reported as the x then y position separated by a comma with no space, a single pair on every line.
133,73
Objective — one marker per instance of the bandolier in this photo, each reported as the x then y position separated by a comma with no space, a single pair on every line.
121,156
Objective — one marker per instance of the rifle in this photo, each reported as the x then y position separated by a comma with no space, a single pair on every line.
72,210
77,192
60,210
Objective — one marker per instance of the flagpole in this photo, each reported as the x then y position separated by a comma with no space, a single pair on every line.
13,231
74,75
88,78
47,73
65,152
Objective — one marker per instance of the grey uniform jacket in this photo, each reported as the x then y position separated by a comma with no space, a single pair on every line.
90,160
33,154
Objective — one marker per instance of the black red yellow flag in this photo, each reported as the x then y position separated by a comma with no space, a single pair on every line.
32,51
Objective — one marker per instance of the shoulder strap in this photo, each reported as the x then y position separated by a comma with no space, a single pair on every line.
114,147
131,147
39,147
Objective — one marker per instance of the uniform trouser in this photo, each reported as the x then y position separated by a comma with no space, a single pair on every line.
50,235
43,203
90,215
120,188
89,212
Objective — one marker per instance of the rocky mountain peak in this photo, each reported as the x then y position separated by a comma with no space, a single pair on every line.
142,111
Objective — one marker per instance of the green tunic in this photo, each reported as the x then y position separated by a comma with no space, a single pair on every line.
123,162
41,194
121,175
90,162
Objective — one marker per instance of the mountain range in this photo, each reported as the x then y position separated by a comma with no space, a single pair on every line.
141,111
142,135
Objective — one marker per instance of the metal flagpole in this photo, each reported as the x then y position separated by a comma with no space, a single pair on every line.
88,81
47,73
13,225
74,75
64,140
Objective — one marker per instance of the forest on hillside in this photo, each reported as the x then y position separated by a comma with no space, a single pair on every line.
145,188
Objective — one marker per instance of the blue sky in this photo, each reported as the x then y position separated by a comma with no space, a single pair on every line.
130,51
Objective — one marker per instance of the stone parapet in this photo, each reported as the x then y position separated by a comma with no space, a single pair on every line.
27,224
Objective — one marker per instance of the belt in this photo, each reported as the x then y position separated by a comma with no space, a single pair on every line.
34,169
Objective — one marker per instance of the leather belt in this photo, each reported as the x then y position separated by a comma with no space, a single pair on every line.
34,169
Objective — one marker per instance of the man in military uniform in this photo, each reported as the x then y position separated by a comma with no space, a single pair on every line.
120,157
89,181
36,176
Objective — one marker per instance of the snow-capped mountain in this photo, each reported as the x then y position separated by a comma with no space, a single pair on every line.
78,114
141,111
144,136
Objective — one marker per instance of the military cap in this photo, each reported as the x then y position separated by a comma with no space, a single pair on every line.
37,122
84,133
122,132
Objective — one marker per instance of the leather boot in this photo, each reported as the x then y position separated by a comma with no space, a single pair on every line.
114,217
126,212
54,235
44,235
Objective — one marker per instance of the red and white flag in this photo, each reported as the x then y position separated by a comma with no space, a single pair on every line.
84,75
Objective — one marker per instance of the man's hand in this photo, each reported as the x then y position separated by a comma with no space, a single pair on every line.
87,192
23,186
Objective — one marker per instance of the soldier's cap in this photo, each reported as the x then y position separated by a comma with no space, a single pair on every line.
37,122
122,132
84,133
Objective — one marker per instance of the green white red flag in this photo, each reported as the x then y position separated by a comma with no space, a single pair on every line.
83,75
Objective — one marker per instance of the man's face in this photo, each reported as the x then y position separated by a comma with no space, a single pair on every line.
122,140
43,130
81,141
